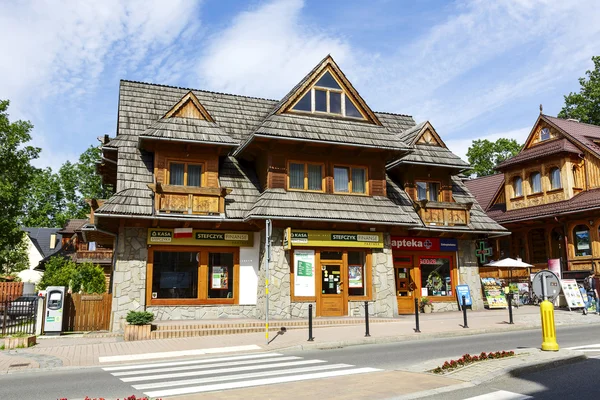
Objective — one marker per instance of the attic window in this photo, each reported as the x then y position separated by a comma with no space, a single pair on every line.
545,134
328,97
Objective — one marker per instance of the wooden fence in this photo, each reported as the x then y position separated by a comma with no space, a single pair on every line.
10,290
87,312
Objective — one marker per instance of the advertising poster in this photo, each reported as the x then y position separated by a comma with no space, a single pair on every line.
493,293
572,294
304,273
218,273
355,276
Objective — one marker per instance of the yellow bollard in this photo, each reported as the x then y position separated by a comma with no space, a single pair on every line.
548,330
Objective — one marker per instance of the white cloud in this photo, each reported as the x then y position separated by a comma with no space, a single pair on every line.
267,50
461,146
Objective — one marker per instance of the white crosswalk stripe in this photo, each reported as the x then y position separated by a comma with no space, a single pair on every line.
590,350
500,395
222,373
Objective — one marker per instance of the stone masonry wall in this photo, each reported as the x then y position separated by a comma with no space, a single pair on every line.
469,271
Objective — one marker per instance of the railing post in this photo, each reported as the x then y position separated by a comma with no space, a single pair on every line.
310,336
510,315
4,316
464,307
417,330
367,319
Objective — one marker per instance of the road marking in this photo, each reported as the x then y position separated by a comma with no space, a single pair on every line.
500,395
594,349
172,354
257,382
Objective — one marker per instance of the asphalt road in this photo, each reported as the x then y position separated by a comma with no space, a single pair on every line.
95,382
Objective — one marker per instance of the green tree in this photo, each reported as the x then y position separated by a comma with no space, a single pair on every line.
16,173
14,259
484,155
585,105
62,271
45,203
89,279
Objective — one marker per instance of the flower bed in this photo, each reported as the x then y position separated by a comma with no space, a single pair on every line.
469,359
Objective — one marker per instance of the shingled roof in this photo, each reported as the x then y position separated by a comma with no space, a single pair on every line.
485,188
540,151
479,220
587,135
188,130
40,237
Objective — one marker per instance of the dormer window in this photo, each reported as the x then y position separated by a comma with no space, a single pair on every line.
544,134
185,174
555,178
328,97
305,176
535,181
518,186
428,191
349,180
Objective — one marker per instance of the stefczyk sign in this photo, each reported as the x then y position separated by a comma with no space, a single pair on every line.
372,240
199,237
424,244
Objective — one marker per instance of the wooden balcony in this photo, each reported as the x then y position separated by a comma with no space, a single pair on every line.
437,213
189,200
100,256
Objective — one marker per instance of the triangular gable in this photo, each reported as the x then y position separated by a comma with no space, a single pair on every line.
542,132
428,136
189,107
327,77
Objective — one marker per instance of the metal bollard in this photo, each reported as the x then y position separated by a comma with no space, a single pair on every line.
417,330
367,318
310,336
510,316
548,330
464,307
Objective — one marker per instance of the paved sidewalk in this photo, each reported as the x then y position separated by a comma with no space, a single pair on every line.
84,351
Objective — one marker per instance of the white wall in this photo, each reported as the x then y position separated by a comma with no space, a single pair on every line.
249,260
29,275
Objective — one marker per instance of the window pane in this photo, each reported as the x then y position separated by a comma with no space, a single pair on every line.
335,103
304,103
434,191
351,110
320,100
315,177
518,185
331,255
296,176
356,273
545,134
175,275
555,178
340,179
581,236
435,276
194,174
176,174
328,81
220,275
359,178
536,184
421,191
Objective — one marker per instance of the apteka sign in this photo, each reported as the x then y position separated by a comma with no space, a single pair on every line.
424,244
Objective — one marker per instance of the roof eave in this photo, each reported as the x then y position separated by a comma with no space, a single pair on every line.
348,221
396,163
141,137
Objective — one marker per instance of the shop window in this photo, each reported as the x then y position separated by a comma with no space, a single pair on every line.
435,276
535,180
220,275
350,180
305,176
518,186
175,275
555,178
356,273
185,174
331,255
581,240
428,191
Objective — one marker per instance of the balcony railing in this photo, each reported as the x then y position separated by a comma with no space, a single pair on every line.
437,213
189,200
94,256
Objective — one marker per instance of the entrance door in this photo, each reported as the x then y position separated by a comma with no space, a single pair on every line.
406,289
333,299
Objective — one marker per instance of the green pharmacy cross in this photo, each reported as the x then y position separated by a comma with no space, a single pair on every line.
483,252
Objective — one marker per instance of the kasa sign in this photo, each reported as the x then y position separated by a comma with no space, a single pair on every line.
424,244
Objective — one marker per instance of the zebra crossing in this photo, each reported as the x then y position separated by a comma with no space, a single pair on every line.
590,350
174,378
500,395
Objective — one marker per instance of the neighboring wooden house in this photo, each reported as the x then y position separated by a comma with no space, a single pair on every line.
364,205
548,196
41,243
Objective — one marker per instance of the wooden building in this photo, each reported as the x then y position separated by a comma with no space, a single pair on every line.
548,197
364,205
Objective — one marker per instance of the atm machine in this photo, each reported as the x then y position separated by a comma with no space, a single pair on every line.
55,302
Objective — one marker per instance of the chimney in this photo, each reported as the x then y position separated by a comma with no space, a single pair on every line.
53,240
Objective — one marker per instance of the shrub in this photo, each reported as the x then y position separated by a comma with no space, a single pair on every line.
85,277
139,317
89,278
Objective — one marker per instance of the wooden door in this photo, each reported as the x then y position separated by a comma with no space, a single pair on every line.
333,299
406,289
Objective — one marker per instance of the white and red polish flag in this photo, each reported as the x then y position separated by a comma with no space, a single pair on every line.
182,233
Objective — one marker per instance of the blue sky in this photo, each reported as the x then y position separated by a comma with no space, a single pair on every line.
475,69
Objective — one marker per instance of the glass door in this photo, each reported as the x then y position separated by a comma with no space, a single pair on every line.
405,289
333,297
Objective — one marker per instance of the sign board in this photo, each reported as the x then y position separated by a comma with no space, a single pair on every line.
572,294
483,252
424,244
552,285
287,235
201,238
493,293
463,290
304,273
370,240
554,266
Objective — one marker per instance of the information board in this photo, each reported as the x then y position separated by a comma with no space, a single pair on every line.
493,293
304,273
572,294
463,290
